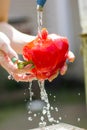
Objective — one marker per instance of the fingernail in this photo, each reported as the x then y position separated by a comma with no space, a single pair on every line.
14,59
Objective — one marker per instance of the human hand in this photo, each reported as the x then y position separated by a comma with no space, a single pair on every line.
11,44
70,58
17,39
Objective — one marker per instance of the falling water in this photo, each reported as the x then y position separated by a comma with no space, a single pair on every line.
30,90
46,110
10,77
39,21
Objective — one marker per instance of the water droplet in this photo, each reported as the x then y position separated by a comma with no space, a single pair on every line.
60,118
54,96
30,118
50,94
48,105
57,121
56,109
42,118
78,119
24,93
29,112
44,112
51,108
10,77
51,119
35,115
79,94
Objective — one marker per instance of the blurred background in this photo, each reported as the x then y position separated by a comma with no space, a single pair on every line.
61,17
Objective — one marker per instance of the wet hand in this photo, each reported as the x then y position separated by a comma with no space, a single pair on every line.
11,44
12,69
70,58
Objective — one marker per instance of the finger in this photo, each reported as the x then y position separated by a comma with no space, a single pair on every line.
53,76
24,78
17,38
5,46
6,63
71,56
10,67
63,69
18,75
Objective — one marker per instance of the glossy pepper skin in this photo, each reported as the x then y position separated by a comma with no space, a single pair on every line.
48,53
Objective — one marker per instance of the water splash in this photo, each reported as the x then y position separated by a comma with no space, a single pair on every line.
30,91
46,109
10,77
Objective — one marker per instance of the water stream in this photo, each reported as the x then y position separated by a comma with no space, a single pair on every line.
46,110
43,94
39,21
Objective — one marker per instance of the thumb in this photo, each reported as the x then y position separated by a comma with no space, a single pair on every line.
5,46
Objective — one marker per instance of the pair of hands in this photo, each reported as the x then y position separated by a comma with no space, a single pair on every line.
12,42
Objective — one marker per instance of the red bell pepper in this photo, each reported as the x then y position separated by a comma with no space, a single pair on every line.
48,53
